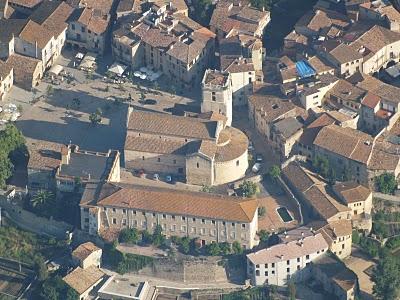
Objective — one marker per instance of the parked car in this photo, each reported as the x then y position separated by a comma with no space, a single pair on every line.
156,176
251,146
259,158
168,178
256,168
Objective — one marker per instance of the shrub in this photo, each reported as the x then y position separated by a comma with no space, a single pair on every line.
249,188
261,211
128,235
213,249
237,248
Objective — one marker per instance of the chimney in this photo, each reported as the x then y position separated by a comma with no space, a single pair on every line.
65,154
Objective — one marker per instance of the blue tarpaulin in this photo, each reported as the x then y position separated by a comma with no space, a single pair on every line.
304,69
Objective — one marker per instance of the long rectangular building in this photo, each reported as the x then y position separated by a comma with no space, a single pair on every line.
210,218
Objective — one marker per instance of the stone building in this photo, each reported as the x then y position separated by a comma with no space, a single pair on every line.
285,134
6,79
230,18
217,94
265,110
87,255
207,217
202,150
84,281
357,154
288,260
54,166
167,41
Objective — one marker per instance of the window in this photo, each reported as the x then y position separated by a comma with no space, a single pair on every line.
173,217
257,272
307,256
266,273
114,221
266,266
142,157
223,223
203,221
243,225
183,218
114,210
123,222
298,259
164,216
73,26
273,265
174,161
272,272
298,267
183,228
194,219
288,270
154,214
233,224
197,165
158,159
237,163
288,262
124,211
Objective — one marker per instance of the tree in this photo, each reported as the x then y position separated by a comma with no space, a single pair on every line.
142,96
261,211
331,176
185,245
213,249
355,237
321,165
274,172
95,117
237,248
128,235
386,278
206,188
263,235
42,198
76,102
292,290
158,237
225,248
386,183
40,268
249,188
380,229
147,238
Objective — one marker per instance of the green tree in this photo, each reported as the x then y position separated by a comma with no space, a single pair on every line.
237,248
263,235
355,237
128,235
158,237
213,249
321,165
292,290
386,278
42,198
185,245
225,248
40,268
95,117
386,183
249,188
274,172
332,176
261,211
380,229
147,238
206,188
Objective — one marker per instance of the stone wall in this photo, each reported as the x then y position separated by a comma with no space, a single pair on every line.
187,270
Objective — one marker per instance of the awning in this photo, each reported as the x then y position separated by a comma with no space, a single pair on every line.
55,70
88,62
117,69
304,69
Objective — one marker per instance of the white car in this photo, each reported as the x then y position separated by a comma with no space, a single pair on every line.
256,168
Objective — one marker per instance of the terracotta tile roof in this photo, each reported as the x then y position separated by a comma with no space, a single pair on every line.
370,100
35,33
344,53
351,192
332,230
10,28
320,65
346,91
321,19
384,159
155,145
347,142
215,77
376,38
311,131
291,250
53,15
237,145
297,177
43,155
83,279
5,70
24,68
179,202
25,3
165,124
84,250
271,107
236,65
380,89
336,271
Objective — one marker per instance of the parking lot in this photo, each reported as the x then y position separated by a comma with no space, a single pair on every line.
61,113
